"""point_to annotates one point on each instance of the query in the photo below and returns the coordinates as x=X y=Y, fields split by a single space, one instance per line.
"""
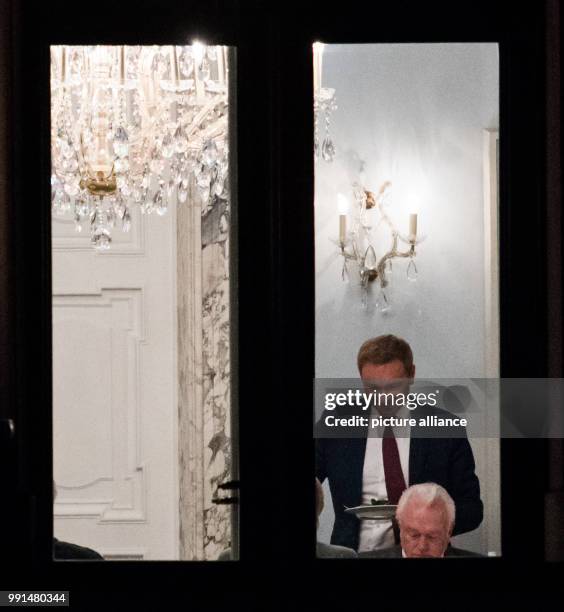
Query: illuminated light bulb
x=413 y=201
x=318 y=47
x=198 y=50
x=342 y=204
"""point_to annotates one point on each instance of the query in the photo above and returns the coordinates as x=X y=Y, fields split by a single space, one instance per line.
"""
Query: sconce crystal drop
x=383 y=303
x=412 y=271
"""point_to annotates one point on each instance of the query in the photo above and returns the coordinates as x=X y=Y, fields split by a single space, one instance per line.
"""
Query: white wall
x=414 y=114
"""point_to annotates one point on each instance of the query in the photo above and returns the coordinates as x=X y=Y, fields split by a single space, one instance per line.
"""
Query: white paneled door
x=115 y=390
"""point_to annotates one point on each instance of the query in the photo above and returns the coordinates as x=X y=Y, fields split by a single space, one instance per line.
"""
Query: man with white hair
x=425 y=515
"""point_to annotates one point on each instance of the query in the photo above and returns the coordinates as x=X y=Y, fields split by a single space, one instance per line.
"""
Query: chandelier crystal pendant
x=324 y=103
x=131 y=126
x=357 y=245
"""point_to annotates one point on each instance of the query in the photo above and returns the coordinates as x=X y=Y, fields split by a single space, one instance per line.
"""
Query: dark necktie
x=395 y=482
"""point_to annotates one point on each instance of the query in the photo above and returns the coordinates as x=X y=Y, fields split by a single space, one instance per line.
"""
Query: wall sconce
x=323 y=102
x=357 y=244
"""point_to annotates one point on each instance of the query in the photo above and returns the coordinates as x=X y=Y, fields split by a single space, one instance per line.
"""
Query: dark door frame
x=275 y=284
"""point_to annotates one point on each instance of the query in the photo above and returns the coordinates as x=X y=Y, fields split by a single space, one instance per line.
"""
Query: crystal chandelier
x=131 y=126
x=324 y=103
x=357 y=245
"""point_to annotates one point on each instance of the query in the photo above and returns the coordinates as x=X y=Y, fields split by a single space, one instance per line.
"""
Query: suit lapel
x=355 y=451
x=417 y=451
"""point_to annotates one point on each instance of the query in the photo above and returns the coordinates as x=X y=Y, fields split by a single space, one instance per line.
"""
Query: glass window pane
x=141 y=202
x=406 y=209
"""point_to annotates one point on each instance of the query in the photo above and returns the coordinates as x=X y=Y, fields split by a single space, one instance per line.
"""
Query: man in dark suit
x=364 y=468
x=328 y=550
x=395 y=552
x=425 y=514
x=67 y=550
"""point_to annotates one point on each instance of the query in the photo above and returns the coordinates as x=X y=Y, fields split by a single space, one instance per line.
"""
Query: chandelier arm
x=200 y=117
x=347 y=254
x=111 y=172
x=216 y=131
x=390 y=255
x=383 y=215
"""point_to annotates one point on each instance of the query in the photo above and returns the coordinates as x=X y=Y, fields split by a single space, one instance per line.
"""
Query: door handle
x=230 y=485
x=225 y=500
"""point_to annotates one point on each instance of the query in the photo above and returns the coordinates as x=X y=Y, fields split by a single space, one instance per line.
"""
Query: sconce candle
x=317 y=65
x=342 y=228
x=413 y=226
x=343 y=207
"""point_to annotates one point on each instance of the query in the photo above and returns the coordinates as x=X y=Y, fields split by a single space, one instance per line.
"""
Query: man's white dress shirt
x=375 y=535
